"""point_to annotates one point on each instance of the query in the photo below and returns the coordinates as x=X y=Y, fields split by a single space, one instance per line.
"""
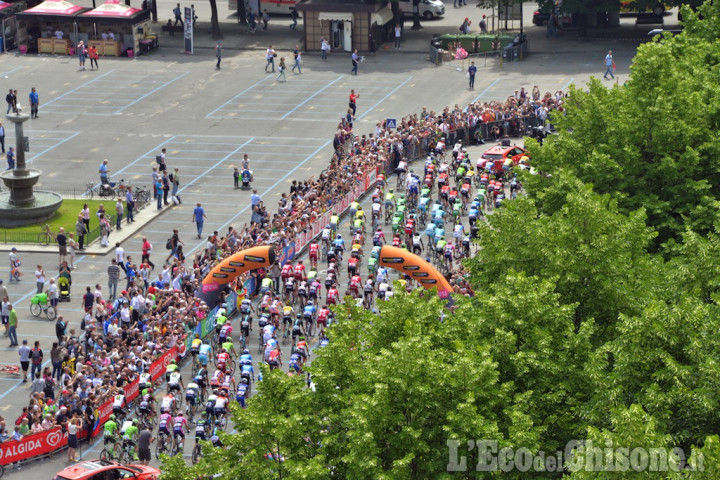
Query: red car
x=106 y=470
x=498 y=154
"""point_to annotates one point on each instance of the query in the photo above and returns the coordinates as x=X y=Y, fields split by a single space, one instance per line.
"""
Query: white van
x=429 y=9
x=272 y=6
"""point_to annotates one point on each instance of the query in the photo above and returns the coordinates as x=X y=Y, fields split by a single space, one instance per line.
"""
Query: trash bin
x=130 y=53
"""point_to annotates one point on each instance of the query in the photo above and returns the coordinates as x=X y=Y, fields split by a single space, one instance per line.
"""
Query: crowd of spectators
x=118 y=343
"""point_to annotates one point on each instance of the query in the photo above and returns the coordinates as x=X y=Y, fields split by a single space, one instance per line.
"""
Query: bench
x=172 y=28
x=648 y=19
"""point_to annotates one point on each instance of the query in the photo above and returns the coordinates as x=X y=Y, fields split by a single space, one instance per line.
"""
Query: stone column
x=20 y=180
x=18 y=119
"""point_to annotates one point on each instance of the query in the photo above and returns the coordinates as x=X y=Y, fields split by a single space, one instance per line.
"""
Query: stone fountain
x=20 y=204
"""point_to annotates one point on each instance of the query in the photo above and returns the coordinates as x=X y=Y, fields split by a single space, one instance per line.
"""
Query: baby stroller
x=64 y=289
x=246 y=178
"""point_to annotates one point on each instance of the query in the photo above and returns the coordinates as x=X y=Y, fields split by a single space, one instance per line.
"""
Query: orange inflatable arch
x=230 y=268
x=414 y=266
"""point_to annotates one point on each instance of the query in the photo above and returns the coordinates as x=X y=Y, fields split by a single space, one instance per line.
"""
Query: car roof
x=500 y=149
x=82 y=469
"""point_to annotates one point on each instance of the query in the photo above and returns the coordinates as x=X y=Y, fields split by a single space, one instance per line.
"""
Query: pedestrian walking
x=23 y=352
x=10 y=158
x=236 y=177
x=129 y=204
x=174 y=243
x=294 y=17
x=81 y=231
x=36 y=358
x=146 y=251
x=298 y=56
x=119 y=211
x=34 y=99
x=265 y=19
x=62 y=241
x=398 y=36
x=11 y=101
x=194 y=17
x=73 y=427
x=355 y=62
x=145 y=440
x=52 y=293
x=12 y=332
x=82 y=54
x=113 y=272
x=352 y=101
x=609 y=65
x=472 y=70
x=40 y=278
x=199 y=218
x=218 y=55
x=93 y=54
x=281 y=69
x=270 y=55
x=14 y=265
x=120 y=256
x=178 y=15
x=483 y=24
x=324 y=48
x=60 y=329
x=2 y=137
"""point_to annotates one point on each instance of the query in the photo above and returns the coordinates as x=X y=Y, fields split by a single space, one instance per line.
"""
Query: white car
x=429 y=9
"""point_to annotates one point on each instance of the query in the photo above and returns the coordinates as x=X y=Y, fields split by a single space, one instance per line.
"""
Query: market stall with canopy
x=115 y=28
x=8 y=36
x=49 y=27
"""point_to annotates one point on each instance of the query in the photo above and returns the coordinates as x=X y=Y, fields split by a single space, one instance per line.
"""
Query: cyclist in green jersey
x=229 y=347
x=110 y=430
x=130 y=438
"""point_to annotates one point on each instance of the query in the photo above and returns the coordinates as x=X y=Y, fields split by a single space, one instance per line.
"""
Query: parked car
x=429 y=9
x=498 y=154
x=103 y=469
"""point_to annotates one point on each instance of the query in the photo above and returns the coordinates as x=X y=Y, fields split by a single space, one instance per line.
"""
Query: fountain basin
x=42 y=208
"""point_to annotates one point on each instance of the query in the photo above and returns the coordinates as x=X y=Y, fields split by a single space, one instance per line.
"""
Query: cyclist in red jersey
x=300 y=271
x=333 y=295
x=313 y=253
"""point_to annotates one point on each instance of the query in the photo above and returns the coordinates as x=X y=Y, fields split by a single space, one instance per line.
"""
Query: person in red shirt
x=355 y=281
x=300 y=272
x=353 y=101
x=286 y=271
x=353 y=263
x=146 y=250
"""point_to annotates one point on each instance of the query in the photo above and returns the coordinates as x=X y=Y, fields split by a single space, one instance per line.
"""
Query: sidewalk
x=145 y=216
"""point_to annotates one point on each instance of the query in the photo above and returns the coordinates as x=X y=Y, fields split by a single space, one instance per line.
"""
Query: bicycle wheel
x=231 y=366
x=196 y=453
x=104 y=455
x=35 y=309
x=160 y=447
x=50 y=313
x=43 y=238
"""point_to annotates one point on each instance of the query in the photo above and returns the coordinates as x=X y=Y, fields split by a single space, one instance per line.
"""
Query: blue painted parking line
x=379 y=102
x=10 y=71
x=480 y=95
x=218 y=163
x=50 y=102
x=146 y=155
x=153 y=91
x=211 y=114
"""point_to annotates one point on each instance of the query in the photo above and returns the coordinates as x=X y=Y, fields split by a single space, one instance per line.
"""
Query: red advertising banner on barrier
x=31 y=446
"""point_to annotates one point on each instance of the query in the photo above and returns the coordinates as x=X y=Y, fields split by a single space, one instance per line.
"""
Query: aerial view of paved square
x=358 y=239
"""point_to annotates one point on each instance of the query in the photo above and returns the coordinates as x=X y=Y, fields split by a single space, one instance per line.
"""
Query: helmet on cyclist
x=243 y=380
x=246 y=352
x=298 y=316
x=224 y=305
x=181 y=413
x=222 y=350
x=392 y=190
x=217 y=422
x=197 y=335
x=228 y=322
x=300 y=261
x=172 y=361
x=112 y=416
x=339 y=235
x=203 y=414
x=309 y=302
x=135 y=421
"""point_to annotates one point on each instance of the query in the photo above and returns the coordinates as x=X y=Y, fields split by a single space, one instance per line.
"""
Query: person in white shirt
x=59 y=34
x=104 y=35
x=120 y=257
x=40 y=278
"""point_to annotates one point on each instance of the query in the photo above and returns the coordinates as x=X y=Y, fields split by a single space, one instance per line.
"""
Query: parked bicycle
x=47 y=236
